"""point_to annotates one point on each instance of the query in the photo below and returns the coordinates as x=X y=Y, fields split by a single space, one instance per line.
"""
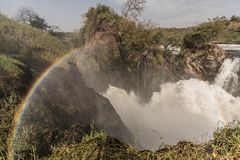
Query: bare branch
x=133 y=8
x=29 y=16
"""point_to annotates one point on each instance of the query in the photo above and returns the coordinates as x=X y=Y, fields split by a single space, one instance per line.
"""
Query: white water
x=231 y=47
x=186 y=110
x=228 y=75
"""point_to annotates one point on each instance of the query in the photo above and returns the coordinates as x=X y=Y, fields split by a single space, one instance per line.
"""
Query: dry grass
x=95 y=146
x=8 y=106
x=226 y=145
x=24 y=40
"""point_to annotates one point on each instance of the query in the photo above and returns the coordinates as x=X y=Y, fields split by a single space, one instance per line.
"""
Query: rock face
x=202 y=64
x=150 y=75
x=63 y=108
x=101 y=64
x=228 y=77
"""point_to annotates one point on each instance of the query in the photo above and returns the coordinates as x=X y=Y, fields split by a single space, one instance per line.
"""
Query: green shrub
x=235 y=18
x=93 y=21
x=234 y=26
x=11 y=73
x=10 y=66
x=194 y=40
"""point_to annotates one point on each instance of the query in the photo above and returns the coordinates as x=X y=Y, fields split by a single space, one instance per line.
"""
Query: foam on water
x=186 y=110
x=228 y=76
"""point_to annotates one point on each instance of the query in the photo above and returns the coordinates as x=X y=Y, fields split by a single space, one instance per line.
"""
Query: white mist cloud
x=187 y=110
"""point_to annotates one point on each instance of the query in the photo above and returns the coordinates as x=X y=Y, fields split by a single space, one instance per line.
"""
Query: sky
x=67 y=14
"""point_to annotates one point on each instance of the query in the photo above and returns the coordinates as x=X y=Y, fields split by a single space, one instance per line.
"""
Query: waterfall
x=142 y=81
x=228 y=77
x=138 y=78
x=142 y=73
x=187 y=110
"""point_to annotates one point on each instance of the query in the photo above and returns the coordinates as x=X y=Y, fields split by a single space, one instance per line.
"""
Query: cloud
x=181 y=13
x=166 y=13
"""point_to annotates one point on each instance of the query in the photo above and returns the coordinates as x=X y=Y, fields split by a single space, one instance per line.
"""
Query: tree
x=29 y=16
x=195 y=40
x=235 y=18
x=133 y=8
x=97 y=19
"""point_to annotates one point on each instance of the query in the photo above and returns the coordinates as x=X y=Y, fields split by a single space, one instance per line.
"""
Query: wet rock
x=64 y=109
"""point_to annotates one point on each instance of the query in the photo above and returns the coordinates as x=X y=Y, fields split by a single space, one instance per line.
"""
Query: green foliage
x=132 y=37
x=11 y=73
x=212 y=28
x=39 y=23
x=204 y=33
x=135 y=38
x=195 y=40
x=235 y=18
x=29 y=16
x=229 y=37
x=20 y=39
x=94 y=21
x=234 y=26
x=10 y=66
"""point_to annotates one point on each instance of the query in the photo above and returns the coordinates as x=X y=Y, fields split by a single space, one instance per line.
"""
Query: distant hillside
x=218 y=30
x=26 y=49
x=25 y=42
x=230 y=33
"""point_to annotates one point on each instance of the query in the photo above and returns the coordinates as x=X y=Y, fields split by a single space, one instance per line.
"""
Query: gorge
x=73 y=97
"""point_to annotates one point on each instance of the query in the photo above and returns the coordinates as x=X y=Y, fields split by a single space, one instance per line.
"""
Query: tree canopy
x=29 y=16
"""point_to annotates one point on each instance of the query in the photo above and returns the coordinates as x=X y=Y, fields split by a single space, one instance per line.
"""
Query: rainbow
x=30 y=93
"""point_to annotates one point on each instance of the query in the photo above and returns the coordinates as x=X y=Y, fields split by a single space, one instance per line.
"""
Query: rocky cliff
x=102 y=64
x=63 y=109
x=202 y=64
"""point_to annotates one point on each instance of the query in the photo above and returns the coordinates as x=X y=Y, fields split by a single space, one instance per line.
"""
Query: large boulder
x=101 y=64
x=63 y=109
